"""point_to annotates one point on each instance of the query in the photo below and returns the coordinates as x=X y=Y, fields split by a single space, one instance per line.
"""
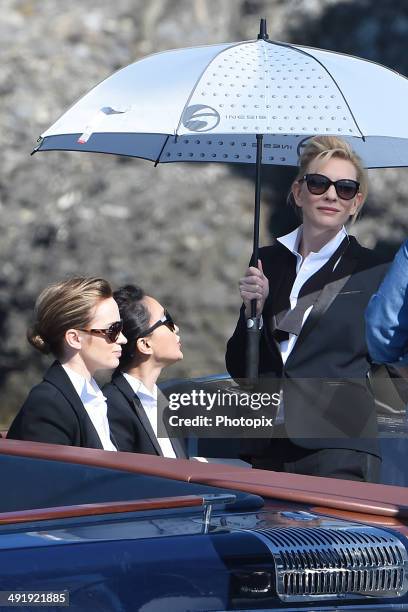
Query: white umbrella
x=249 y=102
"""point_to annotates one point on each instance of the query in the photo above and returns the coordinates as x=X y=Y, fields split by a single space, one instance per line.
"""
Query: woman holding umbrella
x=312 y=288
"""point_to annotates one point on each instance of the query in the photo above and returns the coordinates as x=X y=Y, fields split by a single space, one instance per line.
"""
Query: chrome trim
x=315 y=563
x=210 y=500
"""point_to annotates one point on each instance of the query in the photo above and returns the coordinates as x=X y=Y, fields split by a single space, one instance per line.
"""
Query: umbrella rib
x=199 y=78
x=293 y=47
x=364 y=59
x=161 y=150
x=266 y=92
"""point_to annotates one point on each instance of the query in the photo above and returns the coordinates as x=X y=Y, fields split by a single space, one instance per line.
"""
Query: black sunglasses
x=111 y=333
x=318 y=184
x=165 y=320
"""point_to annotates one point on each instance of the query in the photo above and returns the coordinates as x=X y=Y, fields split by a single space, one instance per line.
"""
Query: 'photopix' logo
x=200 y=118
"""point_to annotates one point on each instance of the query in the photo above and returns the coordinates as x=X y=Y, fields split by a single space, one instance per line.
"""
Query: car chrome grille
x=336 y=562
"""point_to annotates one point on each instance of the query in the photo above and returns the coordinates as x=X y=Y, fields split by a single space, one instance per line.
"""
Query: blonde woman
x=78 y=322
x=312 y=288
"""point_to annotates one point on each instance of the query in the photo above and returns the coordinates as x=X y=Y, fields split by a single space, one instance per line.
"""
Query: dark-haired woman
x=78 y=322
x=134 y=399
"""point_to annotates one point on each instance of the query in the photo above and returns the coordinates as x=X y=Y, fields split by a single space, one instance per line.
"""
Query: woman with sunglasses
x=78 y=322
x=134 y=399
x=312 y=288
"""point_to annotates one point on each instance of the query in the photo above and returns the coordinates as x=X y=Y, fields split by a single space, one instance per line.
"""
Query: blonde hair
x=64 y=305
x=323 y=148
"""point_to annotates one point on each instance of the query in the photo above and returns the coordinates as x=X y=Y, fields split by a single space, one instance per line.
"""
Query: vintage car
x=95 y=530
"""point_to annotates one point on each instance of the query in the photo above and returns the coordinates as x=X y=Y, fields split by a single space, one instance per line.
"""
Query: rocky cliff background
x=183 y=232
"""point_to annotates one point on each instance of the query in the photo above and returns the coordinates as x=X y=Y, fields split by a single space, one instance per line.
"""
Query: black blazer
x=53 y=412
x=128 y=420
x=326 y=399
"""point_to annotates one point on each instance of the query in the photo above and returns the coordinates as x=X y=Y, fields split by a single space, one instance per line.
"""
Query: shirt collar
x=291 y=242
x=86 y=389
x=139 y=388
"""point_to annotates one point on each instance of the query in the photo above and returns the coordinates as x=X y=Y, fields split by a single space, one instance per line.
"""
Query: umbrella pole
x=253 y=331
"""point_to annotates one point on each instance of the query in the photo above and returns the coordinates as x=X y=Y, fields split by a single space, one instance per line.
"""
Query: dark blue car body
x=61 y=532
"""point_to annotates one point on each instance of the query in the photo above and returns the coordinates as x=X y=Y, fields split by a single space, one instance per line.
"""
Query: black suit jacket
x=128 y=420
x=53 y=412
x=326 y=399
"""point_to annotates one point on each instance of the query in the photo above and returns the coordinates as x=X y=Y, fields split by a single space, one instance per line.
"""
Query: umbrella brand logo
x=275 y=145
x=245 y=117
x=200 y=118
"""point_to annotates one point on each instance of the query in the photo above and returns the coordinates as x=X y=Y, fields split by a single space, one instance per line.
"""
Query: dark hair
x=135 y=317
x=64 y=305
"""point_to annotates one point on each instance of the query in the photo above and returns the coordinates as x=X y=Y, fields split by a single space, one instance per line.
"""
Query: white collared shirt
x=149 y=404
x=305 y=268
x=95 y=405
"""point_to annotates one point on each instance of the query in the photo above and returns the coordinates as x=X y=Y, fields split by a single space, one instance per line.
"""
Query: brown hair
x=63 y=305
x=323 y=148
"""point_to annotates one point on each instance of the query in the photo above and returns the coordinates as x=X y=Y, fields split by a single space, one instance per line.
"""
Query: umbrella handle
x=253 y=331
x=252 y=351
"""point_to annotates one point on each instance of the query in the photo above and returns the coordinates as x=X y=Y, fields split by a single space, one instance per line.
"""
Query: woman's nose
x=176 y=329
x=122 y=339
x=331 y=192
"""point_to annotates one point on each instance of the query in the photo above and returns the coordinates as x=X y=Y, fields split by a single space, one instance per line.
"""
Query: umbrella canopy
x=208 y=103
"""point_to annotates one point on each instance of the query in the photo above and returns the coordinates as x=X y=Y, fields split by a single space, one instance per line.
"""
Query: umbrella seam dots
x=266 y=91
x=301 y=50
x=199 y=79
x=336 y=84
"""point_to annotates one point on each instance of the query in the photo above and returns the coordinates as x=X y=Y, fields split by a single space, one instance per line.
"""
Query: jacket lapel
x=139 y=410
x=285 y=262
x=177 y=443
x=276 y=285
x=339 y=277
x=122 y=384
x=57 y=376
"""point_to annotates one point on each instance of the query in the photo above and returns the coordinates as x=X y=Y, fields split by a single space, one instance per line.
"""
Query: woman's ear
x=357 y=204
x=73 y=338
x=295 y=191
x=144 y=346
